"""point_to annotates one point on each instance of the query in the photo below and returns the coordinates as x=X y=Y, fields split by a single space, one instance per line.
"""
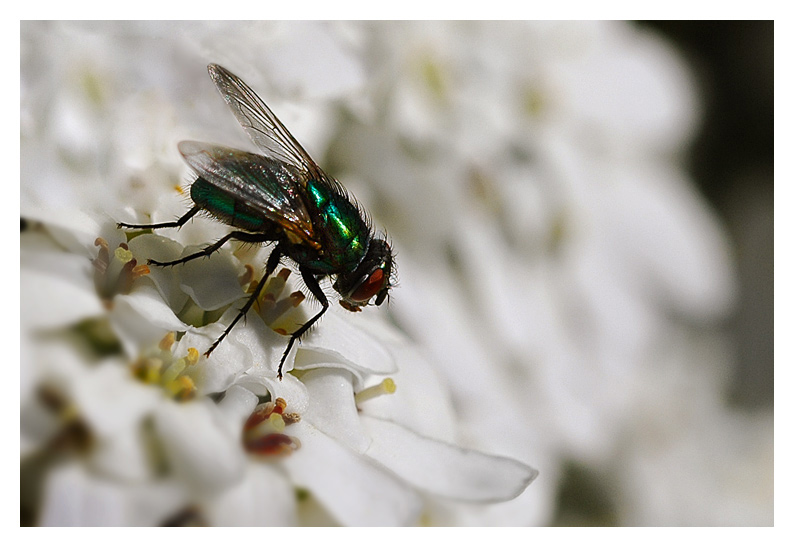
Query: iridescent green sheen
x=345 y=228
x=226 y=207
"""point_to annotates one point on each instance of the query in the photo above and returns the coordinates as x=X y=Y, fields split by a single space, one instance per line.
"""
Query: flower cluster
x=560 y=286
x=180 y=432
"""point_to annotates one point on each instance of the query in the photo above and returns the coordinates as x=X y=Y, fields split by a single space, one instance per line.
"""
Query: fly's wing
x=243 y=183
x=259 y=122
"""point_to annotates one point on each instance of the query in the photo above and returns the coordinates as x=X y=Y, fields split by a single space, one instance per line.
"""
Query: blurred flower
x=570 y=248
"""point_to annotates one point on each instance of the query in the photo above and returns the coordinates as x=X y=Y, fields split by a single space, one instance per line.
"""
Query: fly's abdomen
x=226 y=207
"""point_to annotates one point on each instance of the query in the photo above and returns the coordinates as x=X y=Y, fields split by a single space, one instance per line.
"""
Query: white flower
x=203 y=444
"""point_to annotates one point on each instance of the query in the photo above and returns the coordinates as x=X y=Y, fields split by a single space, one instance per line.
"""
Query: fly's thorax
x=338 y=224
x=311 y=258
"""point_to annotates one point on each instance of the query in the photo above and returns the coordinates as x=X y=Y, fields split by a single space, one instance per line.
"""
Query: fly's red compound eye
x=370 y=287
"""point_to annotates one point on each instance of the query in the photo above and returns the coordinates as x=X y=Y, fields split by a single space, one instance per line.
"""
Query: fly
x=282 y=196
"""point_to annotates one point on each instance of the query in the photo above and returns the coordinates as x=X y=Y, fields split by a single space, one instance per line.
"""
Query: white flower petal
x=141 y=318
x=217 y=372
x=313 y=62
x=54 y=360
x=535 y=506
x=444 y=469
x=211 y=282
x=332 y=407
x=111 y=400
x=420 y=403
x=352 y=488
x=42 y=255
x=288 y=388
x=200 y=449
x=152 y=246
x=37 y=423
x=73 y=229
x=247 y=347
x=52 y=301
x=642 y=93
x=124 y=456
x=345 y=344
x=74 y=496
x=237 y=404
x=265 y=345
x=264 y=498
x=675 y=243
x=147 y=301
x=375 y=322
x=439 y=319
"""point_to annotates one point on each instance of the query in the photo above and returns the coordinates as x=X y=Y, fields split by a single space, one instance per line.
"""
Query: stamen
x=140 y=270
x=125 y=278
x=73 y=432
x=102 y=259
x=275 y=309
x=182 y=389
x=276 y=421
x=263 y=431
x=276 y=284
x=147 y=370
x=115 y=275
x=173 y=370
x=160 y=368
x=280 y=314
x=275 y=444
x=167 y=341
x=123 y=253
x=247 y=277
x=386 y=387
x=296 y=298
x=192 y=356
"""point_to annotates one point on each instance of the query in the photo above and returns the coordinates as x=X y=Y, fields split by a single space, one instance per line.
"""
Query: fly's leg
x=311 y=283
x=240 y=236
x=272 y=263
x=175 y=224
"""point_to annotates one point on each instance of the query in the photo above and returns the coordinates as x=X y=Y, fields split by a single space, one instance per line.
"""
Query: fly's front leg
x=175 y=224
x=272 y=263
x=314 y=287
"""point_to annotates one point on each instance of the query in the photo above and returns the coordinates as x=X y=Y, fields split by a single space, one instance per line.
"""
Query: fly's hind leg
x=240 y=236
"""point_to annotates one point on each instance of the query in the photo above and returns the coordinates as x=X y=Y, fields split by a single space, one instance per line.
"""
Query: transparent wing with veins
x=259 y=122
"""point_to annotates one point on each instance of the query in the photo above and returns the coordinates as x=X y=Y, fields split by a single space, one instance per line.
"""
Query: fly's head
x=371 y=279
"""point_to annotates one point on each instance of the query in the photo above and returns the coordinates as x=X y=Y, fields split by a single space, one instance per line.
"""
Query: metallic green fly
x=282 y=197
